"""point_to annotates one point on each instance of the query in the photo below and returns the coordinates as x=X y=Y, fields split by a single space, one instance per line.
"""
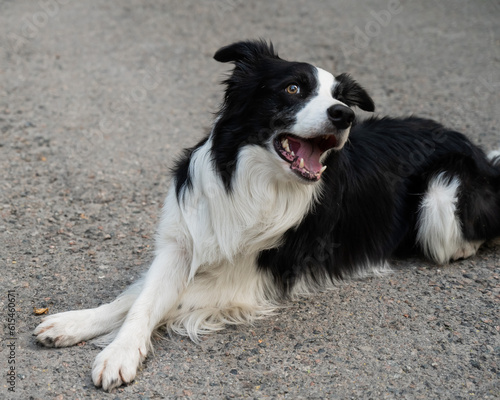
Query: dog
x=287 y=194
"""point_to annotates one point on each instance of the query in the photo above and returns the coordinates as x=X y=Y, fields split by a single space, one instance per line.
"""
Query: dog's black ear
x=352 y=93
x=248 y=51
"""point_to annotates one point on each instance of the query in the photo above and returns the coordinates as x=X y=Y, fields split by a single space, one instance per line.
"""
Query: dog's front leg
x=166 y=279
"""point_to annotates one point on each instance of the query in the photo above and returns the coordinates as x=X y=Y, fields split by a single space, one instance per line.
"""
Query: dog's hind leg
x=460 y=210
x=71 y=327
x=438 y=232
x=440 y=229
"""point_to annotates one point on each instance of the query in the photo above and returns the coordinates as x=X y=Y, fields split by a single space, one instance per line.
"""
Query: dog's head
x=296 y=110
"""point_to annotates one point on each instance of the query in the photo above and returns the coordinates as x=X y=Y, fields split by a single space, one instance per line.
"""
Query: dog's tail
x=494 y=158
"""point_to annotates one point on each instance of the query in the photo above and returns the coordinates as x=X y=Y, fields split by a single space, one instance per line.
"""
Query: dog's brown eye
x=293 y=89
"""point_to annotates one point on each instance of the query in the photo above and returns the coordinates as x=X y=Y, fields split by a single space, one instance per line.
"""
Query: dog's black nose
x=341 y=116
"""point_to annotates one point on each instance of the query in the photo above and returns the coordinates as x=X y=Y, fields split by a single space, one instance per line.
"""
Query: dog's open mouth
x=304 y=154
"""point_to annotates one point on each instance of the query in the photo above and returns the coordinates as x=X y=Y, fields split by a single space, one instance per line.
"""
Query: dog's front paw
x=117 y=365
x=63 y=329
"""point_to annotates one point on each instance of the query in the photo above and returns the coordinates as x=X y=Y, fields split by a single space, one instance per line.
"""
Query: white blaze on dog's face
x=321 y=124
x=313 y=118
x=297 y=111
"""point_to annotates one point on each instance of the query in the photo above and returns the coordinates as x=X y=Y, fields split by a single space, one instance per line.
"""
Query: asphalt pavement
x=97 y=99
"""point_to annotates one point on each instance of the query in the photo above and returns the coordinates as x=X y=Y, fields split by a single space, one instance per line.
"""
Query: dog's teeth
x=285 y=145
x=322 y=169
x=293 y=154
x=301 y=163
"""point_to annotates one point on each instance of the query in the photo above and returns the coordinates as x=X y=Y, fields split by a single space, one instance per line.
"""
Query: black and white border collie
x=286 y=194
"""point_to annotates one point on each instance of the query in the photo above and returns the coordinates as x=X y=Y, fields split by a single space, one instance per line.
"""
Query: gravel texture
x=96 y=100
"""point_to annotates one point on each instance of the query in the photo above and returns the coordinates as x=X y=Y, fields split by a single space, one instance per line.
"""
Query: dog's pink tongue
x=306 y=150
